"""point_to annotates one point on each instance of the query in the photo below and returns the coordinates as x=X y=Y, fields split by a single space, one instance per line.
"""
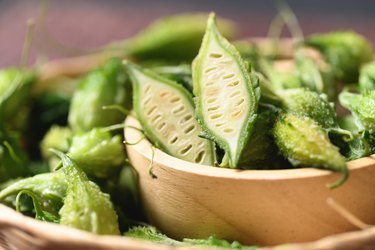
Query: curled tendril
x=134 y=143
x=151 y=164
x=139 y=130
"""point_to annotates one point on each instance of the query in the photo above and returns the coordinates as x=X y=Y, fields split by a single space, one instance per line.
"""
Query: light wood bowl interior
x=265 y=207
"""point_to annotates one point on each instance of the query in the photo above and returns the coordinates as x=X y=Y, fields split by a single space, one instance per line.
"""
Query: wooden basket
x=18 y=232
x=21 y=232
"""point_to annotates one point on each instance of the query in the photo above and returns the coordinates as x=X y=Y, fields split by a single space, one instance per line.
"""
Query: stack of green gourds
x=198 y=97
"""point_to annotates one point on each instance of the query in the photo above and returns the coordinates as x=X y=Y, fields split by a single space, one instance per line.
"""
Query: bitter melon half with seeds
x=166 y=112
x=226 y=94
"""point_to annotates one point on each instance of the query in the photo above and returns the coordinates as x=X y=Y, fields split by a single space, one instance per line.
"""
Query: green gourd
x=58 y=138
x=310 y=104
x=344 y=51
x=97 y=152
x=306 y=144
x=15 y=96
x=104 y=86
x=226 y=94
x=86 y=207
x=174 y=38
x=166 y=112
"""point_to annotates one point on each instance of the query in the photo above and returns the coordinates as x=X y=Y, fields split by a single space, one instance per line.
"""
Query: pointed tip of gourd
x=211 y=19
x=345 y=176
x=65 y=159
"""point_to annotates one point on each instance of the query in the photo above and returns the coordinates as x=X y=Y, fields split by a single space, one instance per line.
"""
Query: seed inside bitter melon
x=226 y=96
x=166 y=112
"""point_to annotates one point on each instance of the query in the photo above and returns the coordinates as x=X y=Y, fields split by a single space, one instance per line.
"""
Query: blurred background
x=74 y=27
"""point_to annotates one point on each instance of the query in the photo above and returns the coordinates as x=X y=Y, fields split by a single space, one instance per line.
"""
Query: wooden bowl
x=265 y=207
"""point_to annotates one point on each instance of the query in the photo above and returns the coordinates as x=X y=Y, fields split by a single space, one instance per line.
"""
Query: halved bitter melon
x=166 y=112
x=226 y=94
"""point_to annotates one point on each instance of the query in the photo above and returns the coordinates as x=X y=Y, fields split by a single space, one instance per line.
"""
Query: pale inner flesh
x=170 y=115
x=225 y=99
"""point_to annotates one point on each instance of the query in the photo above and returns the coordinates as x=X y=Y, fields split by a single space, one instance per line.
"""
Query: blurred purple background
x=76 y=26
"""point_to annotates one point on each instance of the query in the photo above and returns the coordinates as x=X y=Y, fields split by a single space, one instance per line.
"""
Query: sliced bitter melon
x=226 y=94
x=166 y=112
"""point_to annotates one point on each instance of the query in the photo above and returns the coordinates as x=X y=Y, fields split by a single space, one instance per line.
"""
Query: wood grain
x=266 y=207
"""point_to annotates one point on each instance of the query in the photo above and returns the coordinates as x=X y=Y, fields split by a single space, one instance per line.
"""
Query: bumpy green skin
x=85 y=206
x=362 y=107
x=310 y=104
x=175 y=38
x=49 y=190
x=164 y=107
x=57 y=138
x=305 y=144
x=98 y=153
x=15 y=93
x=344 y=51
x=104 y=86
x=13 y=159
x=250 y=80
x=367 y=77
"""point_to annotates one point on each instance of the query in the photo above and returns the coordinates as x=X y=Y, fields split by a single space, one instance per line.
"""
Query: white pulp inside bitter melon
x=170 y=117
x=225 y=95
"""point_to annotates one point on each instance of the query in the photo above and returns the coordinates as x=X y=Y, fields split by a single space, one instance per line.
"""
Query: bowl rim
x=144 y=148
